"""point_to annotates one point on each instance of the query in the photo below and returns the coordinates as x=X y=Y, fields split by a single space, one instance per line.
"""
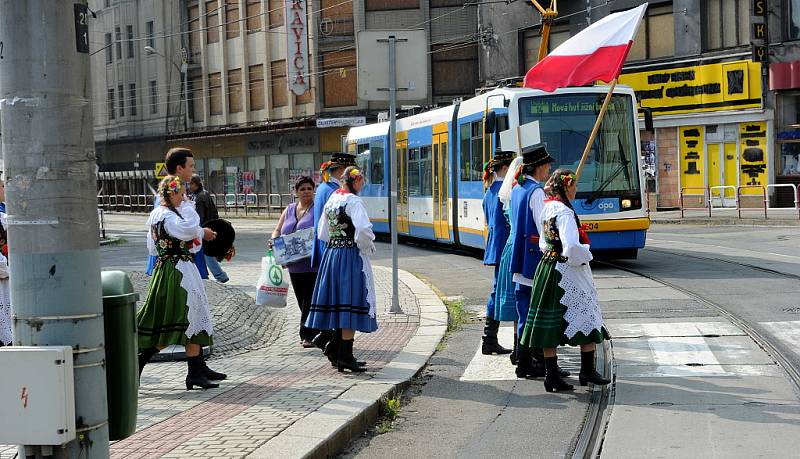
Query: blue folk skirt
x=199 y=261
x=505 y=303
x=340 y=293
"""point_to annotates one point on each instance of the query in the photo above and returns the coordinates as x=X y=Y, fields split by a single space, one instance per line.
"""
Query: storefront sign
x=702 y=88
x=297 y=46
x=759 y=7
x=341 y=122
x=692 y=155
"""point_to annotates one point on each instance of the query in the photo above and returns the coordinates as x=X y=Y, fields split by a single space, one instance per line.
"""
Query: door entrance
x=402 y=181
x=723 y=172
x=441 y=228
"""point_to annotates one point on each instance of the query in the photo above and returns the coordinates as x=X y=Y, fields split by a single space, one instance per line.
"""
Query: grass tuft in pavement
x=390 y=408
x=456 y=314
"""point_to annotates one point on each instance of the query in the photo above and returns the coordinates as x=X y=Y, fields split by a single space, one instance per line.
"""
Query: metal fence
x=245 y=204
x=729 y=197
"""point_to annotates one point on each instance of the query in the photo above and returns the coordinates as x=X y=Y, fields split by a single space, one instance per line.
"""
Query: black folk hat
x=343 y=159
x=536 y=155
x=503 y=155
x=219 y=247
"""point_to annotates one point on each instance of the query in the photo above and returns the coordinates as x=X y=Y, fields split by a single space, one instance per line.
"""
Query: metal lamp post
x=183 y=70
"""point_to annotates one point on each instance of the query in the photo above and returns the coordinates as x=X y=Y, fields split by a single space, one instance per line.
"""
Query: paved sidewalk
x=728 y=217
x=280 y=389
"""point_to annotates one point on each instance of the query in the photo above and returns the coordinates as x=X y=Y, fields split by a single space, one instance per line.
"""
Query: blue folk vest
x=324 y=191
x=525 y=253
x=498 y=226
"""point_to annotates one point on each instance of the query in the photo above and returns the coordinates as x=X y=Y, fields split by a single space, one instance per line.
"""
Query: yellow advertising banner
x=692 y=159
x=753 y=159
x=701 y=88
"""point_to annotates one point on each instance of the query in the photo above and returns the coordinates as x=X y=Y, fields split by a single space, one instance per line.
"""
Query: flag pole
x=595 y=129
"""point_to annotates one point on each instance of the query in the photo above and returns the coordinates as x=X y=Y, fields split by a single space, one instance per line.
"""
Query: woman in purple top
x=297 y=216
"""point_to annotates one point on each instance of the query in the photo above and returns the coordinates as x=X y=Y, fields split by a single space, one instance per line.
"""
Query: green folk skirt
x=546 y=325
x=163 y=319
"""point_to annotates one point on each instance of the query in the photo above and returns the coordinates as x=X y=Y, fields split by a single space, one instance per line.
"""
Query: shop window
x=276 y=8
x=233 y=171
x=235 y=91
x=656 y=35
x=788 y=136
x=470 y=143
x=216 y=177
x=256 y=174
x=727 y=23
x=232 y=17
x=255 y=83
x=279 y=170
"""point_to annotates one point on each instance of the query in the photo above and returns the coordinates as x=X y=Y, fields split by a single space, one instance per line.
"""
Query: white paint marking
x=787 y=332
x=492 y=367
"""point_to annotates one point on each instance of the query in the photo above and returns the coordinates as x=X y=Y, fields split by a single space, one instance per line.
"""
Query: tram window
x=376 y=159
x=471 y=144
x=426 y=179
x=363 y=158
x=413 y=172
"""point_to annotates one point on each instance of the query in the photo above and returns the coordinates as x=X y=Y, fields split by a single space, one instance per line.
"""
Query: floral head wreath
x=355 y=173
x=170 y=185
x=567 y=179
x=323 y=170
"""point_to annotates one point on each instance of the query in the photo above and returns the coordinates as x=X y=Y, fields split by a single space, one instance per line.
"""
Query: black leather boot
x=331 y=349
x=144 y=356
x=346 y=359
x=524 y=368
x=552 y=380
x=538 y=357
x=513 y=355
x=211 y=374
x=588 y=374
x=490 y=344
x=322 y=338
x=195 y=376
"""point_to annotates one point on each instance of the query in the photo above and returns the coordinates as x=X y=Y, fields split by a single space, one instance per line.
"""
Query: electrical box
x=37 y=395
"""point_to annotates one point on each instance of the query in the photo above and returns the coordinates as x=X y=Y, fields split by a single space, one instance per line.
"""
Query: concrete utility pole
x=46 y=118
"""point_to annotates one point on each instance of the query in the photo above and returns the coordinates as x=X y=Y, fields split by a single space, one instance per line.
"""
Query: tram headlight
x=626 y=204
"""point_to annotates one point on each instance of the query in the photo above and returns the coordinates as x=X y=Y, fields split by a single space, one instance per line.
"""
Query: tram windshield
x=565 y=123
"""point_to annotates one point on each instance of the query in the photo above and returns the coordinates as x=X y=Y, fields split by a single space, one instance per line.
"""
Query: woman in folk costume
x=493 y=174
x=505 y=302
x=5 y=288
x=564 y=307
x=175 y=311
x=344 y=295
x=331 y=172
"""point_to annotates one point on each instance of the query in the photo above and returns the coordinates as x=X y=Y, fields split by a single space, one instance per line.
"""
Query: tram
x=440 y=156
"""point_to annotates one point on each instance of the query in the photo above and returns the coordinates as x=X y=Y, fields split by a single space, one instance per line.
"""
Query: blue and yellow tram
x=440 y=155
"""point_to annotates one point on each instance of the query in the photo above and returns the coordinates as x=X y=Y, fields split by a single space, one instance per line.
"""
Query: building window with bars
x=109 y=49
x=150 y=32
x=121 y=92
x=153 y=97
x=111 y=113
x=118 y=36
x=132 y=100
x=129 y=32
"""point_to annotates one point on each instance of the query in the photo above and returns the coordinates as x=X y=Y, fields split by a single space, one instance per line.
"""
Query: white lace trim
x=580 y=298
x=5 y=312
x=366 y=268
x=196 y=300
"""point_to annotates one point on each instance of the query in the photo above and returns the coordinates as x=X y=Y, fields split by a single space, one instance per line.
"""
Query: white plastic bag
x=273 y=285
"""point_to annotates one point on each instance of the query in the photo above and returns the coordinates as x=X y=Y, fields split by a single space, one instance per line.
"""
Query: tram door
x=402 y=181
x=441 y=228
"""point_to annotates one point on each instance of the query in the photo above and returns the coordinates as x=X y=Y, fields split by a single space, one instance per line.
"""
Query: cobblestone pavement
x=267 y=390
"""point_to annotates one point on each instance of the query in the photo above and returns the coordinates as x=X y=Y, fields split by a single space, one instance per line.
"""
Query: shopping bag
x=272 y=285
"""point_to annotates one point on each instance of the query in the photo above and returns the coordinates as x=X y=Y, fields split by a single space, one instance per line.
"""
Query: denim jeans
x=216 y=269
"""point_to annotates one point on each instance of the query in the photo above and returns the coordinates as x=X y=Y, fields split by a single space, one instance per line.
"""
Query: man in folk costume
x=493 y=174
x=331 y=172
x=527 y=202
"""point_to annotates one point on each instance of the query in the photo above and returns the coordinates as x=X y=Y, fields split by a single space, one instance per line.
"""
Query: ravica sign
x=297 y=46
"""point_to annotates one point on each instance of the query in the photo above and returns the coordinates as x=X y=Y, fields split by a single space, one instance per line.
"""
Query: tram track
x=590 y=438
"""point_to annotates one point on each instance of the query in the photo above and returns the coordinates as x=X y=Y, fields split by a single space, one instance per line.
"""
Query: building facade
x=270 y=85
x=720 y=77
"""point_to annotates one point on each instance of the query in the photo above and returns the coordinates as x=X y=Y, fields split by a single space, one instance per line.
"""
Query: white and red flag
x=595 y=53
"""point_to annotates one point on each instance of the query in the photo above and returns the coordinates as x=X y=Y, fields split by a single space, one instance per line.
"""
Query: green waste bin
x=122 y=367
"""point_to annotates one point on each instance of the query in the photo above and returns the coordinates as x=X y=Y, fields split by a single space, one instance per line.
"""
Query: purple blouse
x=290 y=225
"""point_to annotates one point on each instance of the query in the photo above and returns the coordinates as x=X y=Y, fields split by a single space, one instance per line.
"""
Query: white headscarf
x=508 y=182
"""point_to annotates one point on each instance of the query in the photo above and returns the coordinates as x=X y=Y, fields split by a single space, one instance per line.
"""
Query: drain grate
x=693 y=364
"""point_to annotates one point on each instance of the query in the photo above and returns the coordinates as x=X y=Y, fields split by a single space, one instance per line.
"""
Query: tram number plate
x=591 y=226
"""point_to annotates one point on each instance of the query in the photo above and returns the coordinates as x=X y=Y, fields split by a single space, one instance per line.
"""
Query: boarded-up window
x=382 y=5
x=656 y=36
x=232 y=23
x=235 y=91
x=254 y=16
x=197 y=98
x=454 y=70
x=280 y=87
x=212 y=21
x=255 y=82
x=276 y=8
x=340 y=79
x=215 y=93
x=194 y=26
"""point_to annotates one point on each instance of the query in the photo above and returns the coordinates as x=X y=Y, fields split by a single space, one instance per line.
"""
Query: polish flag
x=595 y=53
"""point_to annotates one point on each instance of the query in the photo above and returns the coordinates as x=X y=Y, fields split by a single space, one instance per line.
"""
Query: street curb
x=330 y=428
x=109 y=240
x=727 y=221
